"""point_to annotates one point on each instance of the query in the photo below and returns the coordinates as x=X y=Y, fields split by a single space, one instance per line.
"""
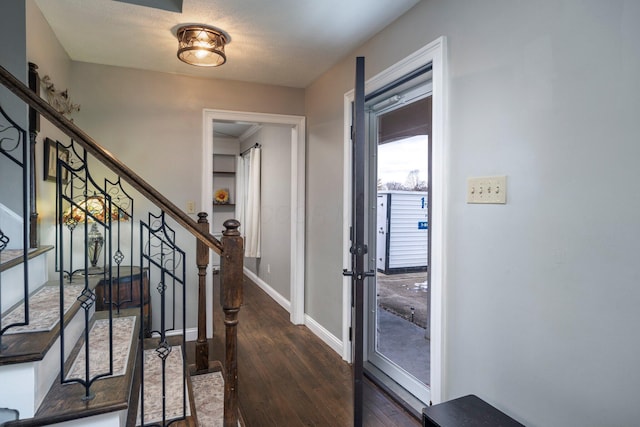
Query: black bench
x=467 y=411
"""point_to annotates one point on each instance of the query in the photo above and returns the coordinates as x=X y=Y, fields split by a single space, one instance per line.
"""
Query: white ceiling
x=281 y=42
x=231 y=129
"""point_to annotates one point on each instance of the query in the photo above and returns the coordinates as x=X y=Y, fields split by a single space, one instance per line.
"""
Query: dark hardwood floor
x=289 y=377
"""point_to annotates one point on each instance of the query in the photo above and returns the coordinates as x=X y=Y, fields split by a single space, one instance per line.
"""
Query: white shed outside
x=402 y=231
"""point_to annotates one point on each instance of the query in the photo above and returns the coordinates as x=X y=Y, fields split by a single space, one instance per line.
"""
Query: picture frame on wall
x=52 y=147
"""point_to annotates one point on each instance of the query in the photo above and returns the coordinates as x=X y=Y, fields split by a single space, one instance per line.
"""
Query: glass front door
x=397 y=306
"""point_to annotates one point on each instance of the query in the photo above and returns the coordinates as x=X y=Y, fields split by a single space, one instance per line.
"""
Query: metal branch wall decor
x=58 y=99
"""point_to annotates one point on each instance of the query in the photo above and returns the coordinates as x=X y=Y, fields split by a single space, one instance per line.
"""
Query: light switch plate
x=191 y=207
x=488 y=189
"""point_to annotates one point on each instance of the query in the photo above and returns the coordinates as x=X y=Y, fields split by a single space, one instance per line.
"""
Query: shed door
x=382 y=227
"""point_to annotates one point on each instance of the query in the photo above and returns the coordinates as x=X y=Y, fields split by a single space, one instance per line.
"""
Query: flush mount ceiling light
x=201 y=45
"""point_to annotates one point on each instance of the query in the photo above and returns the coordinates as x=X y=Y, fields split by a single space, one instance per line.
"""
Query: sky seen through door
x=401 y=157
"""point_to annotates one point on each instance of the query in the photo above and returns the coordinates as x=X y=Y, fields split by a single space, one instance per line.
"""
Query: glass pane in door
x=402 y=300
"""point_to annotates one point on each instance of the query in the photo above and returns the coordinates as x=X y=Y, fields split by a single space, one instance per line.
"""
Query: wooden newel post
x=202 y=260
x=231 y=277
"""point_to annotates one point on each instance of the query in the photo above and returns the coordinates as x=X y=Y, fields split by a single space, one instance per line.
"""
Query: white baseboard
x=285 y=303
x=190 y=334
x=327 y=337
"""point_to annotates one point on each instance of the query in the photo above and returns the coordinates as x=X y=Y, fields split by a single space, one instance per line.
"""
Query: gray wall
x=542 y=293
x=13 y=59
x=153 y=123
x=13 y=56
x=150 y=121
x=274 y=264
x=45 y=51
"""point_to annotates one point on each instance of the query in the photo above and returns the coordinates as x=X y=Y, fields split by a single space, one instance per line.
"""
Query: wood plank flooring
x=289 y=377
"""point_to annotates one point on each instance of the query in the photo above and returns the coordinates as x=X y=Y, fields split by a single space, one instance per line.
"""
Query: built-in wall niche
x=224 y=181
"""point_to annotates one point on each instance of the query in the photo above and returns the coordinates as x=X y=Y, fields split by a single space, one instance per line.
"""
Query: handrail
x=108 y=159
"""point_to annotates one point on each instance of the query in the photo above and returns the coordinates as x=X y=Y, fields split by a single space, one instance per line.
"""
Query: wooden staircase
x=31 y=361
x=115 y=399
x=55 y=375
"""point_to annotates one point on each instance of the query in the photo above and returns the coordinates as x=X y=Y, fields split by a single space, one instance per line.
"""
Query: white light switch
x=191 y=207
x=488 y=189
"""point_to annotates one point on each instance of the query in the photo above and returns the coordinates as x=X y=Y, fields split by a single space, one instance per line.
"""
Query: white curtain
x=241 y=191
x=251 y=208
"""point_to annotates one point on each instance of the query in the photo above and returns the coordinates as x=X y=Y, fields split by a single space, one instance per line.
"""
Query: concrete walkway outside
x=405 y=344
x=402 y=317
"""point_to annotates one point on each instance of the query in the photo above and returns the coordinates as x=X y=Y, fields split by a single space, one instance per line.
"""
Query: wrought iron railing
x=95 y=235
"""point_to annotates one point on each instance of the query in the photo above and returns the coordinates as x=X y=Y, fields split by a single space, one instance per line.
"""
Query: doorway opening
x=294 y=155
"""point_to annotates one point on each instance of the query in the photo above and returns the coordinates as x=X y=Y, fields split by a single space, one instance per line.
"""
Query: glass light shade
x=95 y=242
x=201 y=46
x=91 y=210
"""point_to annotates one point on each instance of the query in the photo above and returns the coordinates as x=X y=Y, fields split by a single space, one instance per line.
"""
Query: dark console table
x=125 y=292
x=467 y=411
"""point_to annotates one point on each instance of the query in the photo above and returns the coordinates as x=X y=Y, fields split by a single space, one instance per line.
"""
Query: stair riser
x=31 y=381
x=112 y=419
x=13 y=279
x=12 y=227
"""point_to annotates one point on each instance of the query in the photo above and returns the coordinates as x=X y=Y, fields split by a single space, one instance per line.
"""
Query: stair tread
x=44 y=310
x=11 y=258
x=208 y=390
x=64 y=402
x=33 y=346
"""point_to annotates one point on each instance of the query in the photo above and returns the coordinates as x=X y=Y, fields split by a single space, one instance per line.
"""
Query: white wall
x=274 y=265
x=542 y=293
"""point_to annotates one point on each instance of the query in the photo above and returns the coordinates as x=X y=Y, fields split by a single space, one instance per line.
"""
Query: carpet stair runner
x=208 y=390
x=178 y=398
